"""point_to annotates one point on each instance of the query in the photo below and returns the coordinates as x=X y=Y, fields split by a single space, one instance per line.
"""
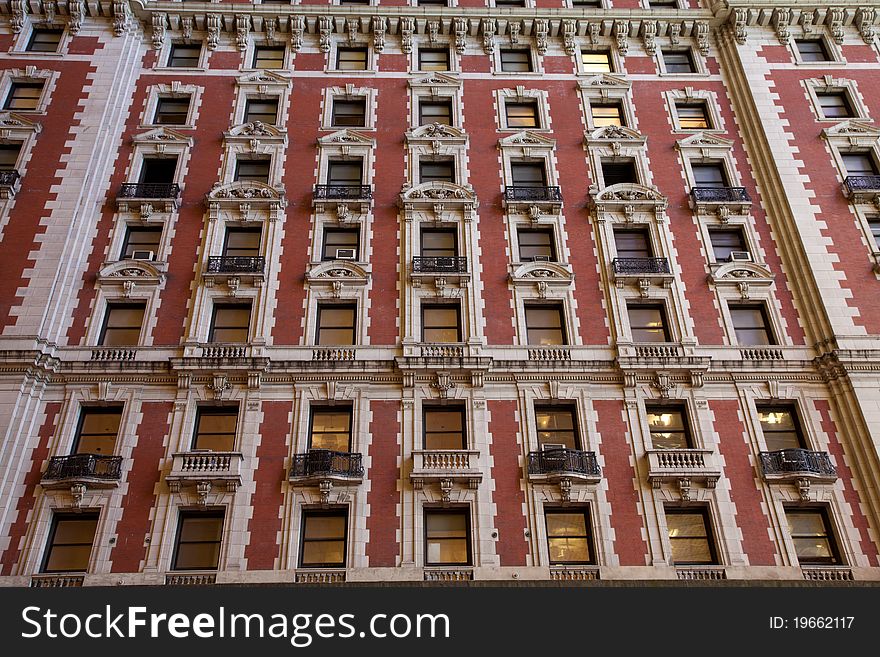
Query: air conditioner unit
x=541 y=258
x=740 y=256
x=142 y=255
x=346 y=254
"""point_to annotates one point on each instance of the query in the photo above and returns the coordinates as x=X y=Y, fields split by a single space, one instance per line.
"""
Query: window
x=544 y=325
x=536 y=244
x=97 y=430
x=171 y=111
x=689 y=537
x=693 y=116
x=615 y=172
x=780 y=427
x=243 y=242
x=340 y=243
x=596 y=61
x=255 y=170
x=122 y=324
x=437 y=171
x=750 y=325
x=648 y=323
x=70 y=543
x=23 y=96
x=859 y=164
x=632 y=244
x=199 y=534
x=528 y=174
x=441 y=323
x=433 y=3
x=510 y=3
x=336 y=324
x=725 y=242
x=587 y=3
x=709 y=175
x=605 y=114
x=522 y=114
x=262 y=110
x=812 y=50
x=353 y=2
x=557 y=427
x=141 y=238
x=351 y=59
x=330 y=428
x=669 y=427
x=835 y=105
x=268 y=57
x=438 y=243
x=44 y=40
x=9 y=156
x=812 y=536
x=874 y=225
x=349 y=113
x=184 y=55
x=434 y=59
x=323 y=539
x=435 y=111
x=215 y=428
x=568 y=536
x=158 y=170
x=345 y=173
x=657 y=4
x=444 y=428
x=517 y=60
x=678 y=61
x=447 y=537
x=230 y=323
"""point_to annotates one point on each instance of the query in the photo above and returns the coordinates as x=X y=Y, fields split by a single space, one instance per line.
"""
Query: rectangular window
x=710 y=175
x=557 y=427
x=435 y=111
x=648 y=323
x=23 y=96
x=262 y=110
x=439 y=243
x=351 y=59
x=780 y=427
x=44 y=40
x=536 y=244
x=447 y=537
x=244 y=242
x=693 y=116
x=158 y=170
x=9 y=156
x=615 y=172
x=230 y=323
x=544 y=325
x=569 y=539
x=441 y=323
x=349 y=113
x=345 y=173
x=596 y=61
x=510 y=3
x=122 y=324
x=659 y=4
x=725 y=242
x=70 y=543
x=437 y=171
x=97 y=430
x=750 y=324
x=669 y=427
x=142 y=239
x=255 y=170
x=433 y=3
x=336 y=324
x=522 y=114
x=340 y=244
x=632 y=244
x=678 y=61
x=331 y=428
x=171 y=111
x=859 y=164
x=323 y=539
x=516 y=60
x=690 y=537
x=812 y=536
x=215 y=428
x=434 y=59
x=874 y=225
x=528 y=174
x=199 y=535
x=605 y=114
x=184 y=55
x=835 y=105
x=269 y=57
x=444 y=428
x=812 y=50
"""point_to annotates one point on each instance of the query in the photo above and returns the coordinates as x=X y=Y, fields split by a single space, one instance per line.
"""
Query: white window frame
x=263 y=85
x=829 y=84
x=174 y=90
x=349 y=92
x=442 y=44
x=21 y=42
x=522 y=95
x=165 y=53
x=709 y=99
x=28 y=75
x=835 y=52
x=526 y=45
x=698 y=60
x=436 y=86
x=333 y=55
x=250 y=53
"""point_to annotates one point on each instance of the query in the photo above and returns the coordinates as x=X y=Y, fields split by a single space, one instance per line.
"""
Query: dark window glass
x=632 y=244
x=255 y=170
x=569 y=539
x=433 y=3
x=444 y=428
x=441 y=323
x=331 y=428
x=351 y=59
x=586 y=3
x=141 y=238
x=23 y=96
x=447 y=538
x=44 y=40
x=536 y=244
x=690 y=537
x=812 y=536
x=171 y=111
x=709 y=175
x=669 y=427
x=835 y=105
x=230 y=323
x=268 y=57
x=557 y=426
x=439 y=243
x=122 y=324
x=648 y=323
x=510 y=3
x=199 y=534
x=596 y=61
x=515 y=60
x=437 y=171
x=184 y=55
x=751 y=325
x=678 y=61
x=522 y=114
x=874 y=224
x=341 y=243
x=434 y=59
x=336 y=324
x=345 y=173
x=660 y=4
x=615 y=172
x=262 y=110
x=528 y=174
x=544 y=325
x=812 y=50
x=859 y=164
x=780 y=427
x=9 y=156
x=97 y=430
x=605 y=114
x=693 y=116
x=435 y=111
x=349 y=113
x=243 y=242
x=70 y=543
x=726 y=241
x=215 y=428
x=323 y=539
x=158 y=170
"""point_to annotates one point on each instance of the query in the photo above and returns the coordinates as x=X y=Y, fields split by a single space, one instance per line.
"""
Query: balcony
x=533 y=201
x=721 y=200
x=9 y=183
x=682 y=466
x=642 y=272
x=147 y=198
x=798 y=466
x=446 y=466
x=345 y=199
x=564 y=466
x=205 y=470
x=443 y=270
x=90 y=470
x=324 y=468
x=233 y=270
x=862 y=189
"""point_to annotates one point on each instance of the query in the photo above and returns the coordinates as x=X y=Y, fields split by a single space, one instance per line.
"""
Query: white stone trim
x=520 y=95
x=829 y=84
x=349 y=92
x=709 y=99
x=174 y=90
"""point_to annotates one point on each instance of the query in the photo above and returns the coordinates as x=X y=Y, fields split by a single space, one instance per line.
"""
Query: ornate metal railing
x=149 y=190
x=440 y=264
x=343 y=192
x=533 y=194
x=862 y=183
x=549 y=461
x=8 y=177
x=94 y=466
x=317 y=462
x=236 y=264
x=720 y=195
x=788 y=461
x=640 y=265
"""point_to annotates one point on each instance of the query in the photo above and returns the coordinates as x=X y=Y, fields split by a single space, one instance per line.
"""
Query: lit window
x=230 y=323
x=199 y=534
x=516 y=60
x=98 y=430
x=23 y=96
x=569 y=539
x=122 y=324
x=693 y=116
x=184 y=55
x=596 y=61
x=444 y=428
x=557 y=427
x=544 y=325
x=331 y=428
x=323 y=539
x=447 y=538
x=536 y=244
x=605 y=114
x=690 y=537
x=648 y=323
x=264 y=111
x=215 y=428
x=522 y=114
x=44 y=40
x=751 y=325
x=351 y=59
x=435 y=111
x=70 y=543
x=678 y=61
x=171 y=111
x=336 y=324
x=780 y=427
x=269 y=57
x=669 y=428
x=441 y=323
x=434 y=59
x=142 y=239
x=812 y=536
x=812 y=50
x=349 y=113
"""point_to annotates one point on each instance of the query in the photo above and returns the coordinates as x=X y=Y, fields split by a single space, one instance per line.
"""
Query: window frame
x=434 y=49
x=113 y=305
x=613 y=63
x=696 y=62
x=589 y=537
x=85 y=410
x=533 y=103
x=533 y=63
x=687 y=429
x=449 y=408
x=541 y=229
x=337 y=100
x=767 y=327
x=331 y=305
x=836 y=558
x=203 y=410
x=465 y=512
x=431 y=306
x=50 y=29
x=793 y=411
x=255 y=57
x=317 y=409
x=246 y=116
x=161 y=98
x=563 y=327
x=58 y=516
x=572 y=410
x=709 y=527
x=179 y=44
x=218 y=306
x=313 y=512
x=336 y=229
x=342 y=48
x=185 y=514
x=658 y=304
x=25 y=84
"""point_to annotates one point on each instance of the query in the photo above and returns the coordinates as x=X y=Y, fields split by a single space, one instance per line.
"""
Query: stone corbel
x=702 y=30
x=460 y=26
x=407 y=27
x=593 y=33
x=213 y=23
x=443 y=384
x=445 y=491
x=488 y=27
x=565 y=489
x=325 y=27
x=76 y=12
x=649 y=34
x=433 y=29
x=158 y=36
x=203 y=488
x=120 y=17
x=17 y=19
x=569 y=29
x=740 y=21
x=186 y=26
x=803 y=487
x=270 y=25
x=541 y=29
x=834 y=18
x=514 y=27
x=674 y=33
x=780 y=20
x=242 y=29
x=218 y=386
x=865 y=19
x=297 y=29
x=77 y=493
x=663 y=384
x=379 y=26
x=621 y=36
x=684 y=489
x=325 y=487
x=352 y=25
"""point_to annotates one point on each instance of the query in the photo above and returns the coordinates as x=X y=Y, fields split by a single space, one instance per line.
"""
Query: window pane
x=859 y=164
x=678 y=61
x=215 y=429
x=336 y=325
x=709 y=175
x=535 y=243
x=24 y=96
x=516 y=60
x=522 y=115
x=544 y=325
x=726 y=241
x=446 y=538
x=780 y=428
x=615 y=173
x=527 y=174
x=43 y=40
x=345 y=173
x=689 y=538
x=98 y=430
x=264 y=111
x=71 y=543
x=444 y=429
x=668 y=428
x=750 y=325
x=433 y=59
x=648 y=324
x=632 y=244
x=812 y=537
x=256 y=170
x=435 y=112
x=186 y=56
x=556 y=427
x=568 y=538
x=441 y=324
x=835 y=105
x=692 y=116
x=9 y=155
x=439 y=243
x=605 y=114
x=335 y=240
x=875 y=232
x=442 y=171
x=349 y=113
x=351 y=59
x=596 y=62
x=231 y=324
x=172 y=111
x=122 y=325
x=812 y=50
x=269 y=57
x=331 y=429
x=198 y=541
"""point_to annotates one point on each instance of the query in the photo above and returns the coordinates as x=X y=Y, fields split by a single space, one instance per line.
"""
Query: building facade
x=439 y=291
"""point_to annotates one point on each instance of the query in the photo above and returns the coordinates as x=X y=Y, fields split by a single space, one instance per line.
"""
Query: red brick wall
x=507 y=474
x=383 y=521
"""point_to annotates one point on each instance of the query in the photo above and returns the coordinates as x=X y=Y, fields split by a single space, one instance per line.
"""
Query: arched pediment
x=628 y=192
x=256 y=130
x=338 y=274
x=144 y=269
x=439 y=191
x=250 y=190
x=548 y=271
x=737 y=271
x=251 y=199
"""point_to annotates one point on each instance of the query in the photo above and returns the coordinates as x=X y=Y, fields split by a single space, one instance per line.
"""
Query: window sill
x=37 y=55
x=333 y=71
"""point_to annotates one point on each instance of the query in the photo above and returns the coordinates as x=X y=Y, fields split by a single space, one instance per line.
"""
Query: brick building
x=367 y=291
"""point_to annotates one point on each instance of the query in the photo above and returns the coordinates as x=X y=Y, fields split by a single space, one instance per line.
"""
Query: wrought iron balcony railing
x=440 y=265
x=533 y=194
x=324 y=462
x=862 y=183
x=149 y=190
x=8 y=177
x=720 y=195
x=797 y=462
x=640 y=265
x=555 y=461
x=343 y=192
x=92 y=466
x=236 y=264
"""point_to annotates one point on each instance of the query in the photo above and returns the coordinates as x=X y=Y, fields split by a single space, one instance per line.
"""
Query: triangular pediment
x=434 y=131
x=704 y=140
x=435 y=79
x=604 y=80
x=162 y=135
x=263 y=77
x=615 y=133
x=346 y=137
x=10 y=120
x=851 y=128
x=526 y=138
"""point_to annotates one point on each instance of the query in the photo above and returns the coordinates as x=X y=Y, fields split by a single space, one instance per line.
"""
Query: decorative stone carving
x=865 y=19
x=158 y=36
x=781 y=18
x=270 y=25
x=18 y=12
x=186 y=26
x=488 y=27
x=740 y=20
x=407 y=26
x=325 y=27
x=569 y=29
x=213 y=25
x=541 y=30
x=120 y=17
x=443 y=384
x=621 y=36
x=379 y=26
x=834 y=18
x=649 y=34
x=76 y=11
x=460 y=26
x=702 y=30
x=297 y=29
